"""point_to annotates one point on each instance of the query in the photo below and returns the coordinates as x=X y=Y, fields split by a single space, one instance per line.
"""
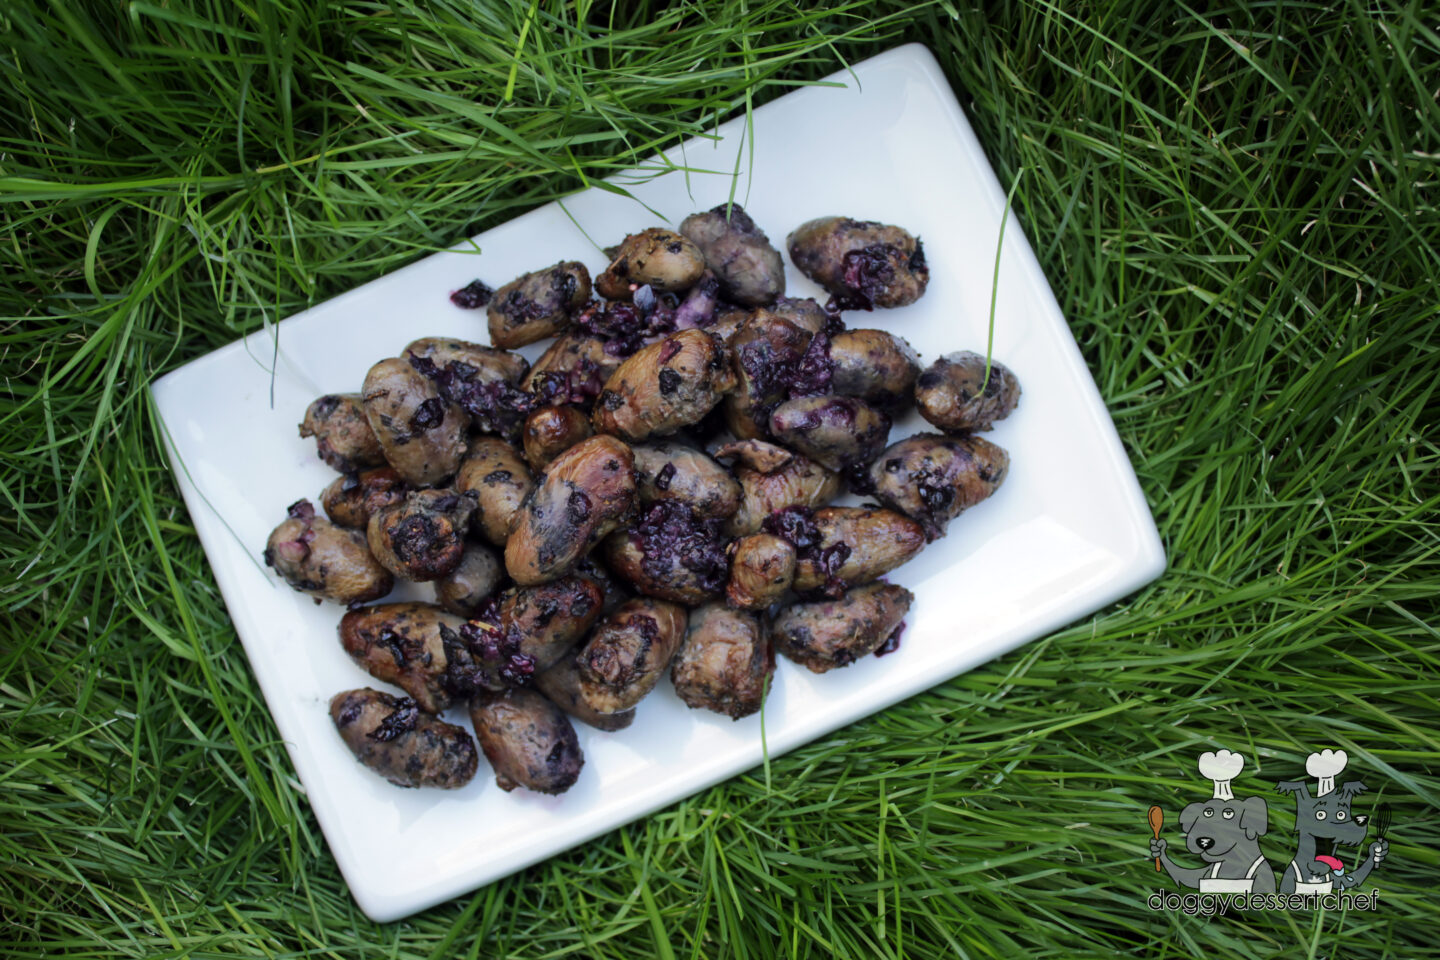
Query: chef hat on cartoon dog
x=1325 y=766
x=1222 y=766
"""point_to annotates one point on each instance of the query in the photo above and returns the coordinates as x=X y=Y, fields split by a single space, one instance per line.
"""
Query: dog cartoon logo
x=1324 y=822
x=1223 y=831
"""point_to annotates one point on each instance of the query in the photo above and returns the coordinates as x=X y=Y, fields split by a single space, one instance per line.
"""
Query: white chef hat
x=1325 y=766
x=1222 y=766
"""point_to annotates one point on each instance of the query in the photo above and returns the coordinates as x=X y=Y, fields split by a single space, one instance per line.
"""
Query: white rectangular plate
x=1068 y=532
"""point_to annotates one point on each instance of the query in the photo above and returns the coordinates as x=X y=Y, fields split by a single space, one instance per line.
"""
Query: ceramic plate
x=1068 y=533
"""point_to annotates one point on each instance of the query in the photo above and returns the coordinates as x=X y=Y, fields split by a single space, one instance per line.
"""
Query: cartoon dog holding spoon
x=1224 y=832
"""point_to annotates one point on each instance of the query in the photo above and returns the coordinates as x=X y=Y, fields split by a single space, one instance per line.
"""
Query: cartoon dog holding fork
x=1324 y=822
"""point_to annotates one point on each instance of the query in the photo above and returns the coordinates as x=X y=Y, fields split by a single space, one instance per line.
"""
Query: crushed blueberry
x=497 y=645
x=624 y=327
x=399 y=722
x=496 y=406
x=669 y=381
x=428 y=416
x=472 y=296
x=579 y=385
x=396 y=645
x=814 y=370
x=671 y=533
x=797 y=525
x=518 y=307
x=302 y=510
x=663 y=478
x=867 y=272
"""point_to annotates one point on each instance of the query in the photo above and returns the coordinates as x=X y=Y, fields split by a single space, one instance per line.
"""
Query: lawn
x=1236 y=208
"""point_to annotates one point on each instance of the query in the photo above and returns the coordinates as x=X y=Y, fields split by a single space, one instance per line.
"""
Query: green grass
x=1236 y=207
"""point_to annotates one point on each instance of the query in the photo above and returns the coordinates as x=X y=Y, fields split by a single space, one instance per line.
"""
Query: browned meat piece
x=407 y=747
x=762 y=567
x=538 y=304
x=612 y=588
x=494 y=471
x=463 y=589
x=835 y=633
x=317 y=557
x=411 y=645
x=489 y=363
x=804 y=313
x=863 y=264
x=561 y=684
x=772 y=478
x=423 y=537
x=749 y=269
x=628 y=652
x=350 y=500
x=343 y=438
x=584 y=495
x=423 y=436
x=667 y=470
x=766 y=351
x=670 y=553
x=573 y=369
x=837 y=548
x=725 y=661
x=934 y=479
x=727 y=322
x=948 y=392
x=527 y=740
x=875 y=366
x=835 y=432
x=664 y=387
x=758 y=455
x=658 y=258
x=550 y=431
x=545 y=620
